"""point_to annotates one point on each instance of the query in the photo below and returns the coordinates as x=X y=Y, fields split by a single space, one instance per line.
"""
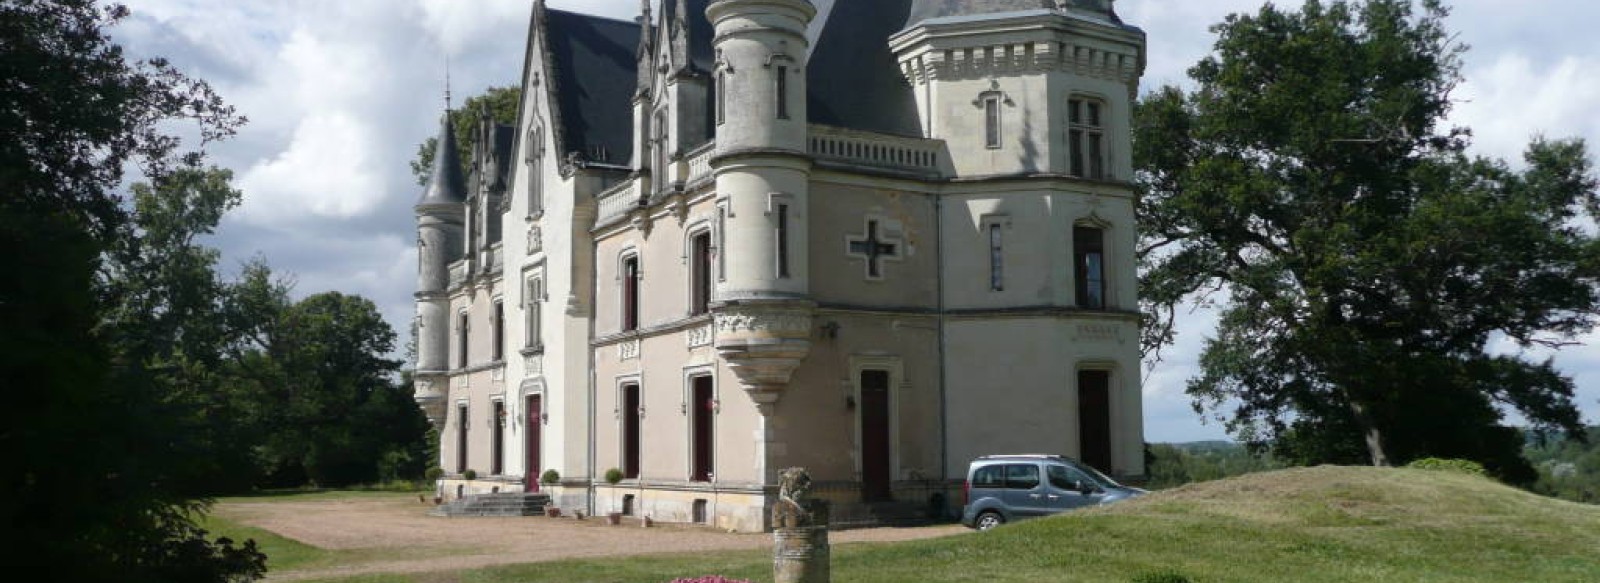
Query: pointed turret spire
x=446 y=185
x=647 y=51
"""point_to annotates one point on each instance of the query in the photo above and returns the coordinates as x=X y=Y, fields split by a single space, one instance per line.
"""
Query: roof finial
x=447 y=83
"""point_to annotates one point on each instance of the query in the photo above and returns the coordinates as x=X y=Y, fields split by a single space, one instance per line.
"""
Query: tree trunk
x=1370 y=431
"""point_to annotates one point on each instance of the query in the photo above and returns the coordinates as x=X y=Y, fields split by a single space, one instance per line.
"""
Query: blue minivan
x=1003 y=488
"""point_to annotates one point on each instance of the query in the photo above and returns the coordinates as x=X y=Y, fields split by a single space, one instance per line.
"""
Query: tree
x=500 y=102
x=92 y=449
x=1362 y=261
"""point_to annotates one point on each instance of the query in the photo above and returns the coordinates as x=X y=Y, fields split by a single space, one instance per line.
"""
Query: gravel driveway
x=395 y=527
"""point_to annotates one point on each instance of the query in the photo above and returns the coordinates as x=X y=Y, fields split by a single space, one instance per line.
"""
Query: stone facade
x=751 y=289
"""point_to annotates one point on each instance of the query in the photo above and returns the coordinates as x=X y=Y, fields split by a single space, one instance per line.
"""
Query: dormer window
x=1086 y=138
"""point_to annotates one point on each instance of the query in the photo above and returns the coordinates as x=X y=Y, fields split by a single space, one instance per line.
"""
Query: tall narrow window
x=1088 y=250
x=461 y=438
x=498 y=349
x=630 y=293
x=534 y=304
x=497 y=446
x=996 y=258
x=783 y=92
x=700 y=274
x=722 y=97
x=1085 y=138
x=702 y=408
x=991 y=121
x=660 y=171
x=631 y=434
x=783 y=240
x=461 y=338
x=722 y=245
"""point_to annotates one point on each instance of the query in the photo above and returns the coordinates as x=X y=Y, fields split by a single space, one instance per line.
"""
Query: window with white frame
x=630 y=292
x=1086 y=138
x=700 y=272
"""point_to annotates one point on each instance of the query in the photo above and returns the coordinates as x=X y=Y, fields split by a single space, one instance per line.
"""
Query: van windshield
x=1104 y=480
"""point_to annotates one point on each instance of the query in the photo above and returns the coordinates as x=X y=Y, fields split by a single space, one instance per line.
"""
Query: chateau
x=735 y=236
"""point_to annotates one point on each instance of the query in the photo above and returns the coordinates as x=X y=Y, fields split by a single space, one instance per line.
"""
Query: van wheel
x=988 y=520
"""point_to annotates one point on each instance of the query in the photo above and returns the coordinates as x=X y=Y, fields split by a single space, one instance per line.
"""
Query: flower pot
x=613 y=518
x=552 y=511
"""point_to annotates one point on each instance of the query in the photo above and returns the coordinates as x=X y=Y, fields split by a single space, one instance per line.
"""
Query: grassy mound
x=1334 y=524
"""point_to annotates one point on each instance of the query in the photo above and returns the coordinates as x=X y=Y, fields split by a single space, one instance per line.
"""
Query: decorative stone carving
x=535 y=239
x=763 y=343
x=430 y=396
x=1099 y=333
x=628 y=350
x=700 y=336
x=533 y=364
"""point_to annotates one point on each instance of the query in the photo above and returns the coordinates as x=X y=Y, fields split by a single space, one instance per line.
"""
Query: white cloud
x=1511 y=98
x=327 y=170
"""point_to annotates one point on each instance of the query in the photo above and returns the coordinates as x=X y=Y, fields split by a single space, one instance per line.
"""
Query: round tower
x=760 y=164
x=439 y=243
x=763 y=311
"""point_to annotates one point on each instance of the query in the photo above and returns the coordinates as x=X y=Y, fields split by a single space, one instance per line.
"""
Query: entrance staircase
x=498 y=504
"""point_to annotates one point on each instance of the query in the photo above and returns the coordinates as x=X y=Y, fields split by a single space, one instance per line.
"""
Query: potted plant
x=613 y=476
x=550 y=477
x=432 y=475
x=470 y=474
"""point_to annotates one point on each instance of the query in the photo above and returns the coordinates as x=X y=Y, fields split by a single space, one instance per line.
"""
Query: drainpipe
x=593 y=282
x=944 y=403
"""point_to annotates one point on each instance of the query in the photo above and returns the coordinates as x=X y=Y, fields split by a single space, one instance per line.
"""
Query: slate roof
x=701 y=32
x=853 y=79
x=593 y=62
x=446 y=185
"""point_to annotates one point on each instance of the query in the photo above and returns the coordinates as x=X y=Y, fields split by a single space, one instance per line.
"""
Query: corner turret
x=439 y=238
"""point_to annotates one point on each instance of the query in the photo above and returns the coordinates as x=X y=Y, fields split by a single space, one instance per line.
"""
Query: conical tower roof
x=446 y=186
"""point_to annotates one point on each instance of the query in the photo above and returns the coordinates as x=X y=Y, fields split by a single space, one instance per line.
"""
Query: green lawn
x=1308 y=524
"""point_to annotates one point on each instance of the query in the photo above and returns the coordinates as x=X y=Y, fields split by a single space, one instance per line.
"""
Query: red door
x=535 y=429
x=875 y=435
x=702 y=414
x=1094 y=419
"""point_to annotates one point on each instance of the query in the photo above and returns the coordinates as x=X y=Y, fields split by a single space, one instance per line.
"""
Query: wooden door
x=534 y=427
x=875 y=474
x=701 y=414
x=1094 y=419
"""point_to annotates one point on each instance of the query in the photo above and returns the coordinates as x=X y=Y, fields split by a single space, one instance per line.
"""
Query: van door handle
x=1053 y=496
x=1034 y=496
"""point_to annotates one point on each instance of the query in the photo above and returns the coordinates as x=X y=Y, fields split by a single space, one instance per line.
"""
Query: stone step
x=497 y=504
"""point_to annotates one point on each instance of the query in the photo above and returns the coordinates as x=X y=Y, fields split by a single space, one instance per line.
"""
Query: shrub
x=709 y=579
x=1449 y=465
x=613 y=476
x=433 y=473
x=550 y=476
x=470 y=474
x=1163 y=576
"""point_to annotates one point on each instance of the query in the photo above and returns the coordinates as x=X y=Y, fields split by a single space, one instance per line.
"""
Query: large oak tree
x=1362 y=261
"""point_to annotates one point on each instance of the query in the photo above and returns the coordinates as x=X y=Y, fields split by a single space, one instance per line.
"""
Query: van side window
x=988 y=477
x=1022 y=476
x=1063 y=477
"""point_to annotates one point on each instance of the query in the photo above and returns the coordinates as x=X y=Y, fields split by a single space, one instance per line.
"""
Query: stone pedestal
x=801 y=555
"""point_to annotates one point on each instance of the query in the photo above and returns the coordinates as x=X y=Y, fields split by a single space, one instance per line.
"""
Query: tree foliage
x=501 y=104
x=90 y=491
x=1569 y=467
x=1362 y=261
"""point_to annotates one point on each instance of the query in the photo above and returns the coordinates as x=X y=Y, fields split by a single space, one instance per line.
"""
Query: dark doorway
x=497 y=441
x=1094 y=418
x=534 y=427
x=630 y=431
x=875 y=435
x=700 y=419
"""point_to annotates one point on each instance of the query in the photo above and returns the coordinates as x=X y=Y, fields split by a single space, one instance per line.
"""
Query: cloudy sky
x=339 y=94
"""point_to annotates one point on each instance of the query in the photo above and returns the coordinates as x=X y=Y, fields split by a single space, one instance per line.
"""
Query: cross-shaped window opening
x=874 y=249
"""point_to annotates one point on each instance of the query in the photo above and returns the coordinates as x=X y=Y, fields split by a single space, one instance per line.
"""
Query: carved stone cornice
x=763 y=343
